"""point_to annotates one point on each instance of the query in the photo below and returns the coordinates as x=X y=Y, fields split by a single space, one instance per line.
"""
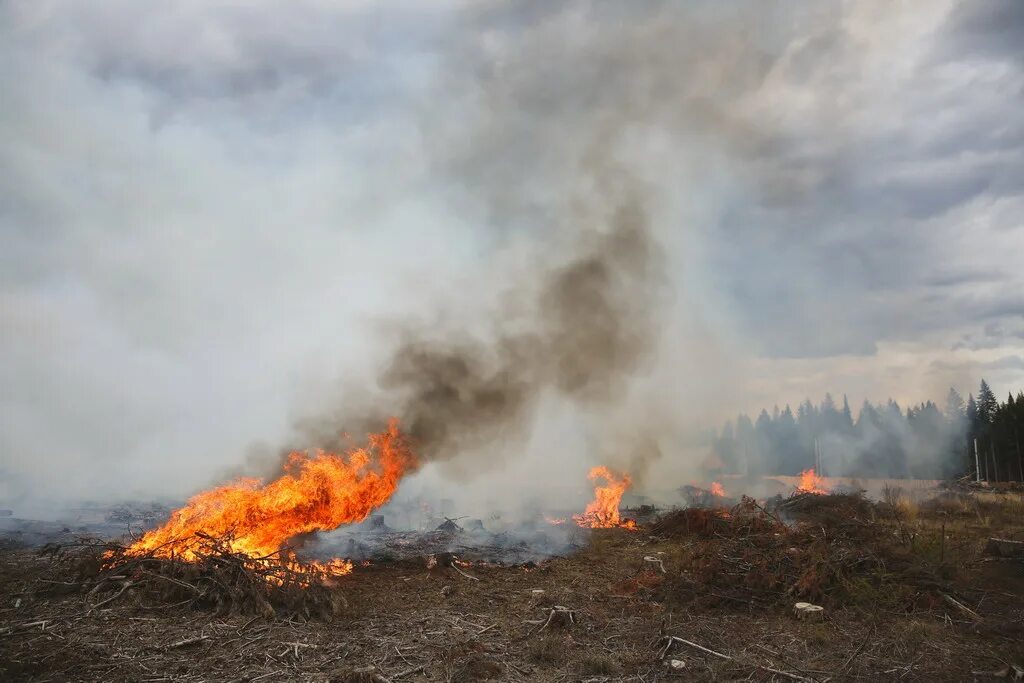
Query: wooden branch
x=675 y=639
x=126 y=586
x=456 y=568
x=187 y=642
x=962 y=607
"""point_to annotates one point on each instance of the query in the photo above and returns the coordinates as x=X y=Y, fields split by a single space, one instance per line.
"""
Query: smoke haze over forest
x=230 y=230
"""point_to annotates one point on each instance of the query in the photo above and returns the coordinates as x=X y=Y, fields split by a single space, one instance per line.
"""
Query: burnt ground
x=909 y=594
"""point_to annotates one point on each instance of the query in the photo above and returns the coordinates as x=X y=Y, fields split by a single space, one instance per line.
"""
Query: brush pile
x=745 y=518
x=220 y=580
x=829 y=551
x=836 y=507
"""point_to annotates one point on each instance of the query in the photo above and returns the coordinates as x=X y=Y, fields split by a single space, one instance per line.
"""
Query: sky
x=218 y=216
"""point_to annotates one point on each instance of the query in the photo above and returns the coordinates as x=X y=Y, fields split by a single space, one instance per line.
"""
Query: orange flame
x=603 y=511
x=811 y=483
x=317 y=491
x=717 y=490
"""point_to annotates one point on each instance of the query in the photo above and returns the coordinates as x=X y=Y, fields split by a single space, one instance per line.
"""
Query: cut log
x=805 y=611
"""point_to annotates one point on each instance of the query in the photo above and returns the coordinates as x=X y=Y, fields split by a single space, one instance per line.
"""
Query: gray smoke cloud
x=318 y=216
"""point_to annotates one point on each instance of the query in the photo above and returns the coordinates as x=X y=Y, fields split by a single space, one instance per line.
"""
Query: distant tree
x=971 y=415
x=787 y=444
x=924 y=441
x=808 y=430
x=987 y=404
x=724 y=448
x=765 y=432
x=954 y=406
x=846 y=416
x=746 y=443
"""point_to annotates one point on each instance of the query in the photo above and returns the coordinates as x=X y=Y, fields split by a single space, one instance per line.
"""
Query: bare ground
x=933 y=607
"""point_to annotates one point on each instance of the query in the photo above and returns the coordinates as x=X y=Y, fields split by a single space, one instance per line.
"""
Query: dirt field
x=902 y=599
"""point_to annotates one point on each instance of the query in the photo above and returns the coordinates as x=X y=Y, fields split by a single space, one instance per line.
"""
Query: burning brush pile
x=227 y=548
x=603 y=511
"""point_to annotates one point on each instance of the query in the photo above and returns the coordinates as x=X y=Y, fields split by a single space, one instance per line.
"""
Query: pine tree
x=786 y=442
x=764 y=429
x=987 y=404
x=954 y=406
x=746 y=444
x=847 y=416
x=971 y=414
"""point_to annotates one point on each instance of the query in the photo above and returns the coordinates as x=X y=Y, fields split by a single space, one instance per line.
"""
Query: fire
x=717 y=490
x=317 y=491
x=811 y=482
x=603 y=511
x=554 y=521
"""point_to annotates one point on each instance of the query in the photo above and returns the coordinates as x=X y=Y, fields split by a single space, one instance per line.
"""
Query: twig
x=655 y=560
x=456 y=568
x=187 y=642
x=413 y=670
x=173 y=580
x=783 y=673
x=857 y=651
x=675 y=639
x=246 y=625
x=401 y=655
x=127 y=585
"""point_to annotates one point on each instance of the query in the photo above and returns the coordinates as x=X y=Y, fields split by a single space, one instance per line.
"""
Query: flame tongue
x=318 y=491
x=603 y=511
x=811 y=482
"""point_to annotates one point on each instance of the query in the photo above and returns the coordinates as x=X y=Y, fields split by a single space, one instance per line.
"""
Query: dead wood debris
x=829 y=550
x=221 y=580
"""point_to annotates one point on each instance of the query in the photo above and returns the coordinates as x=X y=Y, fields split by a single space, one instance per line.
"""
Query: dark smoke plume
x=579 y=327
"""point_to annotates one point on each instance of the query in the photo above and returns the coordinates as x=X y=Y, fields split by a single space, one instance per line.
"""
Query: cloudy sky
x=214 y=214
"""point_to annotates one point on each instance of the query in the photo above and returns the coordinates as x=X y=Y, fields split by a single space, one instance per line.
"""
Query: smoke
x=579 y=329
x=543 y=235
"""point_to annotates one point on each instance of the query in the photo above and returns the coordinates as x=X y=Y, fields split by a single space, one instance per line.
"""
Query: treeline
x=924 y=441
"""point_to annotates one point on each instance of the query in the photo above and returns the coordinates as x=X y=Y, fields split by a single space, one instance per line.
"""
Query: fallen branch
x=456 y=568
x=187 y=642
x=784 y=673
x=674 y=639
x=962 y=607
x=115 y=596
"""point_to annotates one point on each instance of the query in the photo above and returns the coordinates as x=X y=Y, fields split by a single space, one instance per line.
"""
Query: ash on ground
x=492 y=541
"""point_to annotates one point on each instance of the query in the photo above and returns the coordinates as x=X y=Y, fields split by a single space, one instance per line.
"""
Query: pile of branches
x=828 y=554
x=743 y=519
x=834 y=509
x=218 y=579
